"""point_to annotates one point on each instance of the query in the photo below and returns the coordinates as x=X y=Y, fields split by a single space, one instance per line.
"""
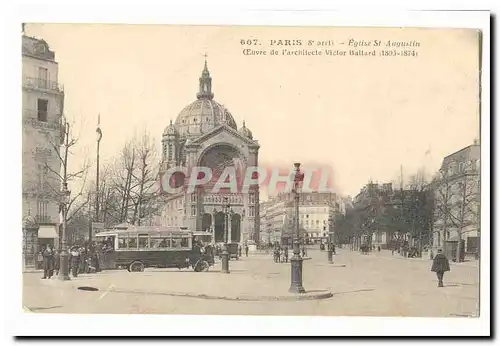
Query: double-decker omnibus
x=137 y=248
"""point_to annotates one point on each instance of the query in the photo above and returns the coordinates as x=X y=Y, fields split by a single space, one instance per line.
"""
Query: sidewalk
x=424 y=258
x=244 y=283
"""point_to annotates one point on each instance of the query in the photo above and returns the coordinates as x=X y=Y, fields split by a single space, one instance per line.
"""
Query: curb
x=323 y=294
x=334 y=265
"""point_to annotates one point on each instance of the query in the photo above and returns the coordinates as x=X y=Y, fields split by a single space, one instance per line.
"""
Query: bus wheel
x=201 y=266
x=136 y=266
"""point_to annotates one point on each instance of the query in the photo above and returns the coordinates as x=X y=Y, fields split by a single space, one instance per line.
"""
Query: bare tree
x=129 y=188
x=457 y=201
x=145 y=189
x=63 y=147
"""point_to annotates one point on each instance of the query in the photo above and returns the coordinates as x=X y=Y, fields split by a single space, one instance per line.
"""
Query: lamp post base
x=330 y=256
x=296 y=268
x=225 y=262
x=63 y=266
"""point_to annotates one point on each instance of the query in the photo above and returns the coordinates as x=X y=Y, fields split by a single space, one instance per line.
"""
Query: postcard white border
x=185 y=12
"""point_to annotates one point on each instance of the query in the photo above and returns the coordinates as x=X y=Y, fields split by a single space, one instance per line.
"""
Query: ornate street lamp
x=214 y=212
x=64 y=265
x=296 y=260
x=98 y=132
x=225 y=254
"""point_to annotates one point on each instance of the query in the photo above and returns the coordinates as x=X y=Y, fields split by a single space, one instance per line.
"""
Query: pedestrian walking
x=246 y=250
x=286 y=254
x=239 y=251
x=440 y=265
x=48 y=262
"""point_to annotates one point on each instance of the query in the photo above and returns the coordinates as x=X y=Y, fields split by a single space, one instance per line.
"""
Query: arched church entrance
x=220 y=156
x=206 y=222
x=219 y=227
x=236 y=228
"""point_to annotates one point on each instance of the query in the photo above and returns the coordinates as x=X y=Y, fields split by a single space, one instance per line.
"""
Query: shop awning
x=47 y=232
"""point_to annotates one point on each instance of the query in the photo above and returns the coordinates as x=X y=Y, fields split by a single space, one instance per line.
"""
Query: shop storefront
x=35 y=237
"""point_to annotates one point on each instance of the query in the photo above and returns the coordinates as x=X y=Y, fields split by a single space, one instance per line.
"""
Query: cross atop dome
x=205 y=89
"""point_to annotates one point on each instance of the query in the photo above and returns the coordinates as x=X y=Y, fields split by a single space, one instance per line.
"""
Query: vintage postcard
x=251 y=170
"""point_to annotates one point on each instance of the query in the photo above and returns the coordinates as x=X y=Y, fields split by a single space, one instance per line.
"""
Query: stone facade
x=459 y=184
x=316 y=210
x=42 y=108
x=205 y=134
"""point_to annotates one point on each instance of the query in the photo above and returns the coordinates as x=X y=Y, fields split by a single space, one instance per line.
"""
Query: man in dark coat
x=246 y=250
x=440 y=265
x=286 y=254
x=48 y=262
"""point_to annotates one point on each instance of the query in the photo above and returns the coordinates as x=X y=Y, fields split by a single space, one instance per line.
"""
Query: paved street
x=375 y=285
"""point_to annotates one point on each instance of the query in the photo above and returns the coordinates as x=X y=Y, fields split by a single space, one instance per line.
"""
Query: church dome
x=205 y=113
x=170 y=130
x=245 y=132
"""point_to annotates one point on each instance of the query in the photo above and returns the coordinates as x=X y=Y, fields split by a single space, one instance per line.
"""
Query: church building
x=205 y=134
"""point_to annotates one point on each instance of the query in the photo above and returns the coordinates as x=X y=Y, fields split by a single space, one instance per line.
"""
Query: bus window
x=132 y=243
x=143 y=242
x=154 y=243
x=164 y=243
x=122 y=243
x=176 y=243
x=184 y=242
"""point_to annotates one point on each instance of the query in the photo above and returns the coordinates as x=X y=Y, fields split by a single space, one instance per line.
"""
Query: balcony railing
x=43 y=219
x=42 y=84
x=31 y=117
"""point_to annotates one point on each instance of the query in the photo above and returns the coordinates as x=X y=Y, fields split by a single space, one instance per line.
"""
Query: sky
x=365 y=117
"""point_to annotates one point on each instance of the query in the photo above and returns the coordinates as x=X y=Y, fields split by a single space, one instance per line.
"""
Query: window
x=184 y=242
x=154 y=243
x=43 y=76
x=251 y=211
x=132 y=243
x=251 y=198
x=169 y=151
x=42 y=109
x=164 y=243
x=193 y=210
x=176 y=243
x=143 y=242
x=42 y=211
x=122 y=243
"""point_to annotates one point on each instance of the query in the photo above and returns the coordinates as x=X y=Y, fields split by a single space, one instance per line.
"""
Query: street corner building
x=205 y=134
x=458 y=203
x=42 y=109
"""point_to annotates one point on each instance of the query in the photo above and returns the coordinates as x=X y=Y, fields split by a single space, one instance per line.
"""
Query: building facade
x=317 y=211
x=457 y=199
x=42 y=109
x=205 y=134
x=391 y=218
